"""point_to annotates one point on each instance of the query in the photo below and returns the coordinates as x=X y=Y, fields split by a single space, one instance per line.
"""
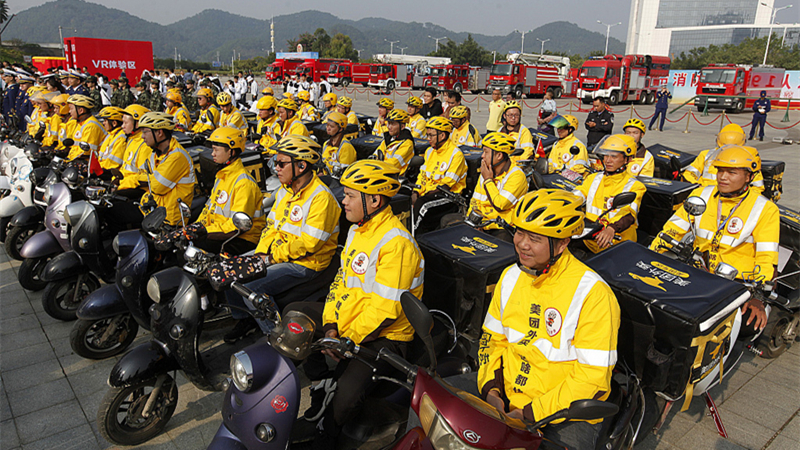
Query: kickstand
x=712 y=409
x=663 y=417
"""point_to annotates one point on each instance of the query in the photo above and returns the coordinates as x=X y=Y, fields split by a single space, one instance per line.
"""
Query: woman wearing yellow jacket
x=267 y=121
x=561 y=156
x=231 y=116
x=174 y=101
x=112 y=150
x=512 y=126
x=398 y=147
x=337 y=152
x=88 y=129
x=208 y=120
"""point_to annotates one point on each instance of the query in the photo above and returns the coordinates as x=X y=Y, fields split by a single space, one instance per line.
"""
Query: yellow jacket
x=52 y=127
x=302 y=227
x=496 y=197
x=90 y=131
x=66 y=130
x=598 y=189
x=267 y=129
x=549 y=340
x=560 y=157
x=234 y=191
x=380 y=127
x=324 y=118
x=171 y=178
x=380 y=261
x=399 y=152
x=352 y=119
x=36 y=117
x=344 y=154
x=133 y=161
x=416 y=124
x=466 y=135
x=748 y=240
x=307 y=112
x=291 y=126
x=702 y=172
x=112 y=150
x=642 y=167
x=234 y=119
x=495 y=113
x=207 y=120
x=182 y=116
x=524 y=141
x=443 y=167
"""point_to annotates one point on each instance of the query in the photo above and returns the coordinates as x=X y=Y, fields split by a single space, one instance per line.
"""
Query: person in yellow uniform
x=385 y=105
x=329 y=103
x=496 y=107
x=337 y=152
x=500 y=185
x=267 y=127
x=598 y=189
x=88 y=129
x=380 y=262
x=37 y=129
x=444 y=166
x=57 y=115
x=174 y=101
x=512 y=126
x=397 y=147
x=416 y=123
x=550 y=333
x=307 y=110
x=137 y=152
x=231 y=116
x=37 y=115
x=288 y=121
x=67 y=125
x=643 y=163
x=463 y=131
x=112 y=150
x=561 y=156
x=209 y=116
x=739 y=227
x=299 y=239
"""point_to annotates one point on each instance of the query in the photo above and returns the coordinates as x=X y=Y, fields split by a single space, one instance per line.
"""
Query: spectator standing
x=495 y=111
x=599 y=122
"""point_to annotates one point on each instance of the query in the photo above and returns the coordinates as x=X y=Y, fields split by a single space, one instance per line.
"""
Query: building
x=669 y=27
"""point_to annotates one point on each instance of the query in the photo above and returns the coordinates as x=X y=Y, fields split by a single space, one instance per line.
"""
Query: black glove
x=195 y=231
x=39 y=134
x=67 y=142
x=241 y=269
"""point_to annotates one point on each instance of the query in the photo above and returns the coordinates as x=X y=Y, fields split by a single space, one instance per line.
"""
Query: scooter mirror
x=574 y=150
x=694 y=206
x=421 y=320
x=726 y=271
x=518 y=152
x=538 y=181
x=28 y=119
x=541 y=166
x=242 y=222
x=625 y=198
x=591 y=409
x=186 y=211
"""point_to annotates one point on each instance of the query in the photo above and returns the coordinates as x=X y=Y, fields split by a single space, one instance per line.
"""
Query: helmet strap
x=368 y=216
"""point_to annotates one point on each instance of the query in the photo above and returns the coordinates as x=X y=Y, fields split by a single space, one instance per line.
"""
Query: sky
x=477 y=16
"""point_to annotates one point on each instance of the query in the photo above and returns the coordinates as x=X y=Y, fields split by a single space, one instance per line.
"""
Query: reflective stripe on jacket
x=91 y=132
x=344 y=154
x=137 y=152
x=561 y=158
x=702 y=171
x=207 y=120
x=292 y=126
x=398 y=153
x=234 y=191
x=466 y=135
x=444 y=166
x=234 y=119
x=497 y=197
x=171 y=178
x=112 y=150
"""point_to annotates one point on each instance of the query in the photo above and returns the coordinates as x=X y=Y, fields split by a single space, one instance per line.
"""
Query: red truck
x=43 y=63
x=736 y=79
x=110 y=56
x=345 y=72
x=281 y=70
x=619 y=78
x=388 y=77
x=316 y=67
x=530 y=74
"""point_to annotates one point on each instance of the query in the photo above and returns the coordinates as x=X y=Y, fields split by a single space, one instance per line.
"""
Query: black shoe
x=750 y=138
x=240 y=330
x=761 y=138
x=321 y=396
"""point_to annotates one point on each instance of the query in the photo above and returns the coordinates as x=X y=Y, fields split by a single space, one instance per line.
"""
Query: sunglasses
x=281 y=164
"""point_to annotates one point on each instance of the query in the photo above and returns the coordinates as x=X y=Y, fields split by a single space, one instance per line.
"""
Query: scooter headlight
x=154 y=290
x=48 y=192
x=242 y=371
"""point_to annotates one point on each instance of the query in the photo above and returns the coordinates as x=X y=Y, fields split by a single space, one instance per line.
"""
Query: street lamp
x=771 y=21
x=359 y=53
x=402 y=50
x=437 y=41
x=523 y=33
x=391 y=46
x=608 y=31
x=542 y=41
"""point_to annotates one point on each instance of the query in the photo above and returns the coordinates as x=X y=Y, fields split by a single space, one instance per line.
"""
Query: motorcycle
x=20 y=196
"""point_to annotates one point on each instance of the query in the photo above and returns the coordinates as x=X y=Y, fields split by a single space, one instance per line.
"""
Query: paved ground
x=49 y=396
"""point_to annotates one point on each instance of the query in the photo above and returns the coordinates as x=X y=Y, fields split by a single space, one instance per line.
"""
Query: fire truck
x=457 y=77
x=736 y=79
x=530 y=74
x=113 y=57
x=393 y=71
x=619 y=78
x=282 y=69
x=316 y=67
x=345 y=72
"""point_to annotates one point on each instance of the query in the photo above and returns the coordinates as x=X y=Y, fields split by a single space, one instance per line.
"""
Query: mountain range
x=213 y=33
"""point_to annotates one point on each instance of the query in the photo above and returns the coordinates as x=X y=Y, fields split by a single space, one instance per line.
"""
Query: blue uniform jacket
x=762 y=103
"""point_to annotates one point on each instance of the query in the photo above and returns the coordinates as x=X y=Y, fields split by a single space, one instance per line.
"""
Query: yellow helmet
x=440 y=123
x=731 y=137
x=499 y=142
x=174 y=97
x=288 y=103
x=230 y=137
x=733 y=127
x=337 y=118
x=620 y=143
x=635 y=123
x=372 y=177
x=61 y=101
x=299 y=147
x=223 y=98
x=737 y=157
x=81 y=100
x=754 y=153
x=110 y=113
x=565 y=121
x=304 y=95
x=135 y=111
x=459 y=112
x=205 y=92
x=267 y=102
x=550 y=212
x=398 y=115
x=512 y=104
x=330 y=97
x=347 y=102
x=157 y=121
x=414 y=101
x=267 y=91
x=386 y=102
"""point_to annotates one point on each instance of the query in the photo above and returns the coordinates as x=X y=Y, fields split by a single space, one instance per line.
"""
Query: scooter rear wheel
x=62 y=298
x=30 y=273
x=16 y=238
x=771 y=342
x=120 y=418
x=92 y=339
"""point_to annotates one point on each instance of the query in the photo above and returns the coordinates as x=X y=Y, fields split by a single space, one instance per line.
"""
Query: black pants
x=662 y=112
x=428 y=212
x=353 y=377
x=124 y=215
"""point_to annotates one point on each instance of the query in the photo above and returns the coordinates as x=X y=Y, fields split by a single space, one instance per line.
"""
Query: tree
x=341 y=46
x=749 y=51
x=468 y=52
x=3 y=13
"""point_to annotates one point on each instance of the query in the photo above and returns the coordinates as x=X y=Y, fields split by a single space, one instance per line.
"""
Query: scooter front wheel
x=62 y=298
x=123 y=418
x=772 y=342
x=16 y=238
x=104 y=338
x=30 y=273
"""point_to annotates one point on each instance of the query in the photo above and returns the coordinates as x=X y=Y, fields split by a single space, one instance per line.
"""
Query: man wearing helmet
x=344 y=106
x=329 y=104
x=598 y=189
x=512 y=126
x=89 y=130
x=136 y=153
x=60 y=127
x=416 y=123
x=380 y=262
x=288 y=122
x=209 y=116
x=385 y=105
x=463 y=131
x=739 y=227
x=562 y=155
x=266 y=130
x=599 y=122
x=642 y=164
x=306 y=110
x=337 y=152
x=175 y=108
x=112 y=150
x=230 y=116
x=302 y=229
x=702 y=170
x=397 y=147
x=550 y=334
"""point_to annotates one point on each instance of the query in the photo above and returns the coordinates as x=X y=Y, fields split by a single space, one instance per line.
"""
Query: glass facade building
x=691 y=13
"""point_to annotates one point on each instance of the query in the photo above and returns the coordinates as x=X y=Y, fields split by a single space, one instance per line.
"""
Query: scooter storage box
x=789 y=251
x=660 y=201
x=556 y=181
x=668 y=160
x=472 y=155
x=208 y=169
x=462 y=266
x=665 y=307
x=366 y=145
x=772 y=171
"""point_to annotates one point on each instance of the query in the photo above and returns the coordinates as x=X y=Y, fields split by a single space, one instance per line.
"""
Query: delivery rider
x=209 y=116
x=175 y=108
x=337 y=152
x=416 y=123
x=397 y=147
x=385 y=105
x=63 y=127
x=288 y=122
x=267 y=121
x=306 y=110
x=512 y=126
x=561 y=156
x=463 y=131
x=136 y=153
x=231 y=116
x=739 y=227
x=344 y=106
x=598 y=189
x=329 y=103
x=643 y=163
x=88 y=129
x=550 y=334
x=112 y=150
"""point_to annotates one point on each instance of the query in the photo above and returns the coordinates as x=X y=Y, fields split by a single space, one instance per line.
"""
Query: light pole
x=608 y=31
x=771 y=21
x=542 y=41
x=391 y=46
x=359 y=53
x=402 y=50
x=523 y=33
x=437 y=41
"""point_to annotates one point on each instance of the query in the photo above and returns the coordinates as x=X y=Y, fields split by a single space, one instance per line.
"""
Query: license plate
x=712 y=99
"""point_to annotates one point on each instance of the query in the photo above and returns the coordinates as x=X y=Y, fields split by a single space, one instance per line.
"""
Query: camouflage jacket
x=98 y=100
x=122 y=98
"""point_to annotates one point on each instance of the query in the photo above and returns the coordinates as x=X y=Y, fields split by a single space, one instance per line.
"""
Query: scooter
x=21 y=196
